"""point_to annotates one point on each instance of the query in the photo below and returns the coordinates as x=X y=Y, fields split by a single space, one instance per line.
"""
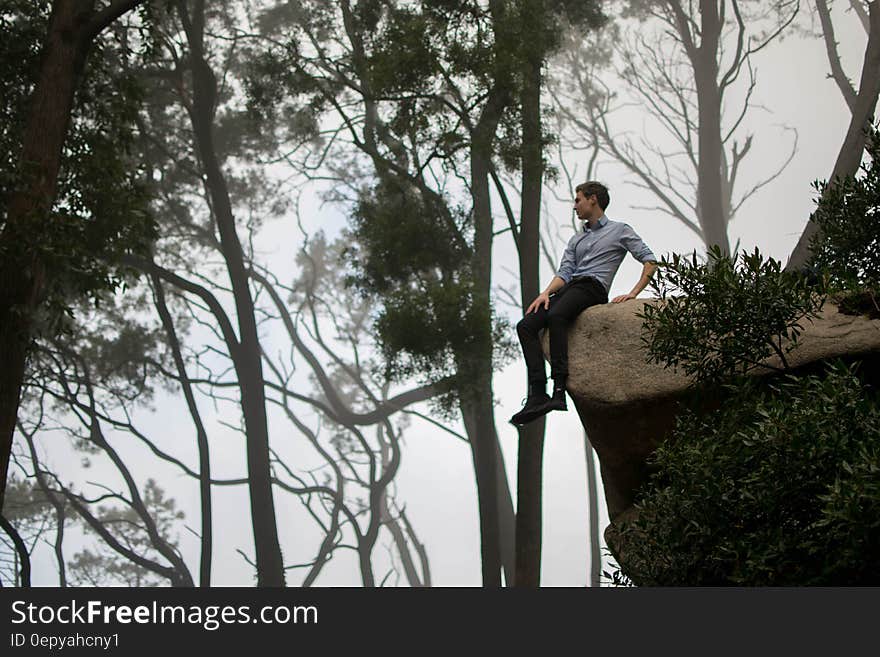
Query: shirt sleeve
x=634 y=244
x=567 y=266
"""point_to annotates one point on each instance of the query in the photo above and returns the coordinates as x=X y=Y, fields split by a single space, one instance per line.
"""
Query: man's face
x=584 y=205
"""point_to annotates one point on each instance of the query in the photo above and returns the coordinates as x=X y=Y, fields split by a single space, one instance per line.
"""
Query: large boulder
x=628 y=406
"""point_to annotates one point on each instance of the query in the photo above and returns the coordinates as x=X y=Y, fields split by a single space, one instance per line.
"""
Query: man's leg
x=528 y=329
x=580 y=295
x=565 y=305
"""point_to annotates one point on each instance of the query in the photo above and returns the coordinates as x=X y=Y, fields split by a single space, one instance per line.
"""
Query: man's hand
x=542 y=298
x=648 y=269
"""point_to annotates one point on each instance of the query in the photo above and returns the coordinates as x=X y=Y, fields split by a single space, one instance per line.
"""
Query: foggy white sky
x=436 y=481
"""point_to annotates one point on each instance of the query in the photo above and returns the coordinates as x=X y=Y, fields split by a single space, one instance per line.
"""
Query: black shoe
x=536 y=406
x=557 y=401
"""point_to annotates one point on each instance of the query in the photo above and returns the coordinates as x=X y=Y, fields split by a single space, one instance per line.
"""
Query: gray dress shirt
x=598 y=252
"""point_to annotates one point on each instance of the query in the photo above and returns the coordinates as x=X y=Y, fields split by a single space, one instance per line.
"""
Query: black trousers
x=572 y=299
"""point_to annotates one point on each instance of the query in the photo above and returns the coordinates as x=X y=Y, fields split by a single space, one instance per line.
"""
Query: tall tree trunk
x=22 y=272
x=506 y=517
x=368 y=581
x=246 y=356
x=496 y=514
x=479 y=426
x=531 y=437
x=379 y=480
x=851 y=151
x=710 y=205
x=532 y=150
x=477 y=405
x=593 y=502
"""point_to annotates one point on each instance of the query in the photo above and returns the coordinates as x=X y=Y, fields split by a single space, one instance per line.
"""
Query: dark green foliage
x=404 y=237
x=779 y=487
x=21 y=31
x=404 y=57
x=408 y=252
x=104 y=189
x=432 y=66
x=847 y=246
x=101 y=209
x=722 y=316
x=275 y=91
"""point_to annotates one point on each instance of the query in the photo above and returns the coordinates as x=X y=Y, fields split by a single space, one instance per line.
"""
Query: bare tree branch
x=102 y=19
x=837 y=73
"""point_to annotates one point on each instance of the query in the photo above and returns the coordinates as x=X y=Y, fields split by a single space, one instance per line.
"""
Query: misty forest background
x=260 y=263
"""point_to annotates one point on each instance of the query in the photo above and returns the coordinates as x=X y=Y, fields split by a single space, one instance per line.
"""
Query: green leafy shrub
x=721 y=317
x=847 y=246
x=776 y=486
x=779 y=487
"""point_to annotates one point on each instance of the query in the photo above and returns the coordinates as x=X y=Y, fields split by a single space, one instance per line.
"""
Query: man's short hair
x=593 y=187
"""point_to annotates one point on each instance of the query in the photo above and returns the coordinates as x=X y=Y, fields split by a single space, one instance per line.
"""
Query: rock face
x=628 y=406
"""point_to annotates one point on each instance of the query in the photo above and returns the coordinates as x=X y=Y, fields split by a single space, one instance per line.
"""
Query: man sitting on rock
x=589 y=264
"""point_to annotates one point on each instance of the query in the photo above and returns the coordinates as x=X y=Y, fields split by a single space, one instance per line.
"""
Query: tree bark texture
x=506 y=517
x=477 y=404
x=479 y=425
x=529 y=505
x=531 y=437
x=593 y=503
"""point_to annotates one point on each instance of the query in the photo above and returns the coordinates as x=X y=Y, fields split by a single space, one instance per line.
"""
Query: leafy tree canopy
x=404 y=254
x=101 y=208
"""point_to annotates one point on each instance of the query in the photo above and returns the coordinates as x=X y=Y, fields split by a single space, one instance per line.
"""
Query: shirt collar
x=599 y=224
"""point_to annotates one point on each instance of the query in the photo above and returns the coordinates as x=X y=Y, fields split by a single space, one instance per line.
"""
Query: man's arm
x=563 y=274
x=648 y=269
x=544 y=298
